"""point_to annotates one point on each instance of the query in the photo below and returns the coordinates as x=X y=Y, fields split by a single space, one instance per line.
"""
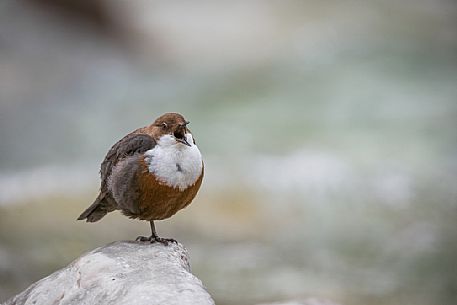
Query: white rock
x=310 y=301
x=121 y=273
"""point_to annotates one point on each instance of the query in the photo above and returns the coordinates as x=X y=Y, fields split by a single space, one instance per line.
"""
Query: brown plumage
x=150 y=174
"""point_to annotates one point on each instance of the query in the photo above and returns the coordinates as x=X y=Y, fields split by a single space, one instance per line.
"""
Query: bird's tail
x=96 y=211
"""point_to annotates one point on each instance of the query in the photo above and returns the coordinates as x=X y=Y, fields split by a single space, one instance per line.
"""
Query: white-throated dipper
x=150 y=174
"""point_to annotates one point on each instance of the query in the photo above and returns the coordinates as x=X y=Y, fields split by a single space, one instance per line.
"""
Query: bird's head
x=174 y=125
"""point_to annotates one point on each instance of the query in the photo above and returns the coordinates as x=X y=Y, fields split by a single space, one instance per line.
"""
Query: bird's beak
x=183 y=141
x=180 y=135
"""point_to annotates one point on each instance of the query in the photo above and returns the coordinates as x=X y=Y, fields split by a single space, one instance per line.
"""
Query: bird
x=150 y=174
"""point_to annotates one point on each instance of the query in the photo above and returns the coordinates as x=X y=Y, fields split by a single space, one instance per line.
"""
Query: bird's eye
x=164 y=125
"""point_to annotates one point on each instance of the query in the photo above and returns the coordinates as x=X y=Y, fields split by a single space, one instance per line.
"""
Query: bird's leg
x=154 y=238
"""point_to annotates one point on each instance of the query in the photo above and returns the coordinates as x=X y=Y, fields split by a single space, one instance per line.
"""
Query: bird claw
x=143 y=238
x=164 y=241
x=153 y=239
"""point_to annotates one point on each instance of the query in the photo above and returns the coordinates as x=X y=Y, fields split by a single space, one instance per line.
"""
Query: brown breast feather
x=157 y=200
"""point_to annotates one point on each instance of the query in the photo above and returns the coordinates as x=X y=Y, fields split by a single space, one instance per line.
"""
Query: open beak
x=180 y=135
x=183 y=141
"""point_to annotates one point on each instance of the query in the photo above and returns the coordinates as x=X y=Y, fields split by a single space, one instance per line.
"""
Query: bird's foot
x=143 y=238
x=164 y=241
x=153 y=239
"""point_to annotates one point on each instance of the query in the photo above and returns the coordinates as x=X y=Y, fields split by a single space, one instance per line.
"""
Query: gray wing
x=130 y=145
x=128 y=148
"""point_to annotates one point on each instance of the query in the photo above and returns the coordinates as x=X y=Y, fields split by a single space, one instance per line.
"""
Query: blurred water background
x=328 y=130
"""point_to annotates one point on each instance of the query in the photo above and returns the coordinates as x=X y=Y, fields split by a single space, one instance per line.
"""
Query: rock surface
x=311 y=301
x=121 y=273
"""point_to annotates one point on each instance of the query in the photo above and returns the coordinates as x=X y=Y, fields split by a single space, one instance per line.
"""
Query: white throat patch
x=173 y=163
